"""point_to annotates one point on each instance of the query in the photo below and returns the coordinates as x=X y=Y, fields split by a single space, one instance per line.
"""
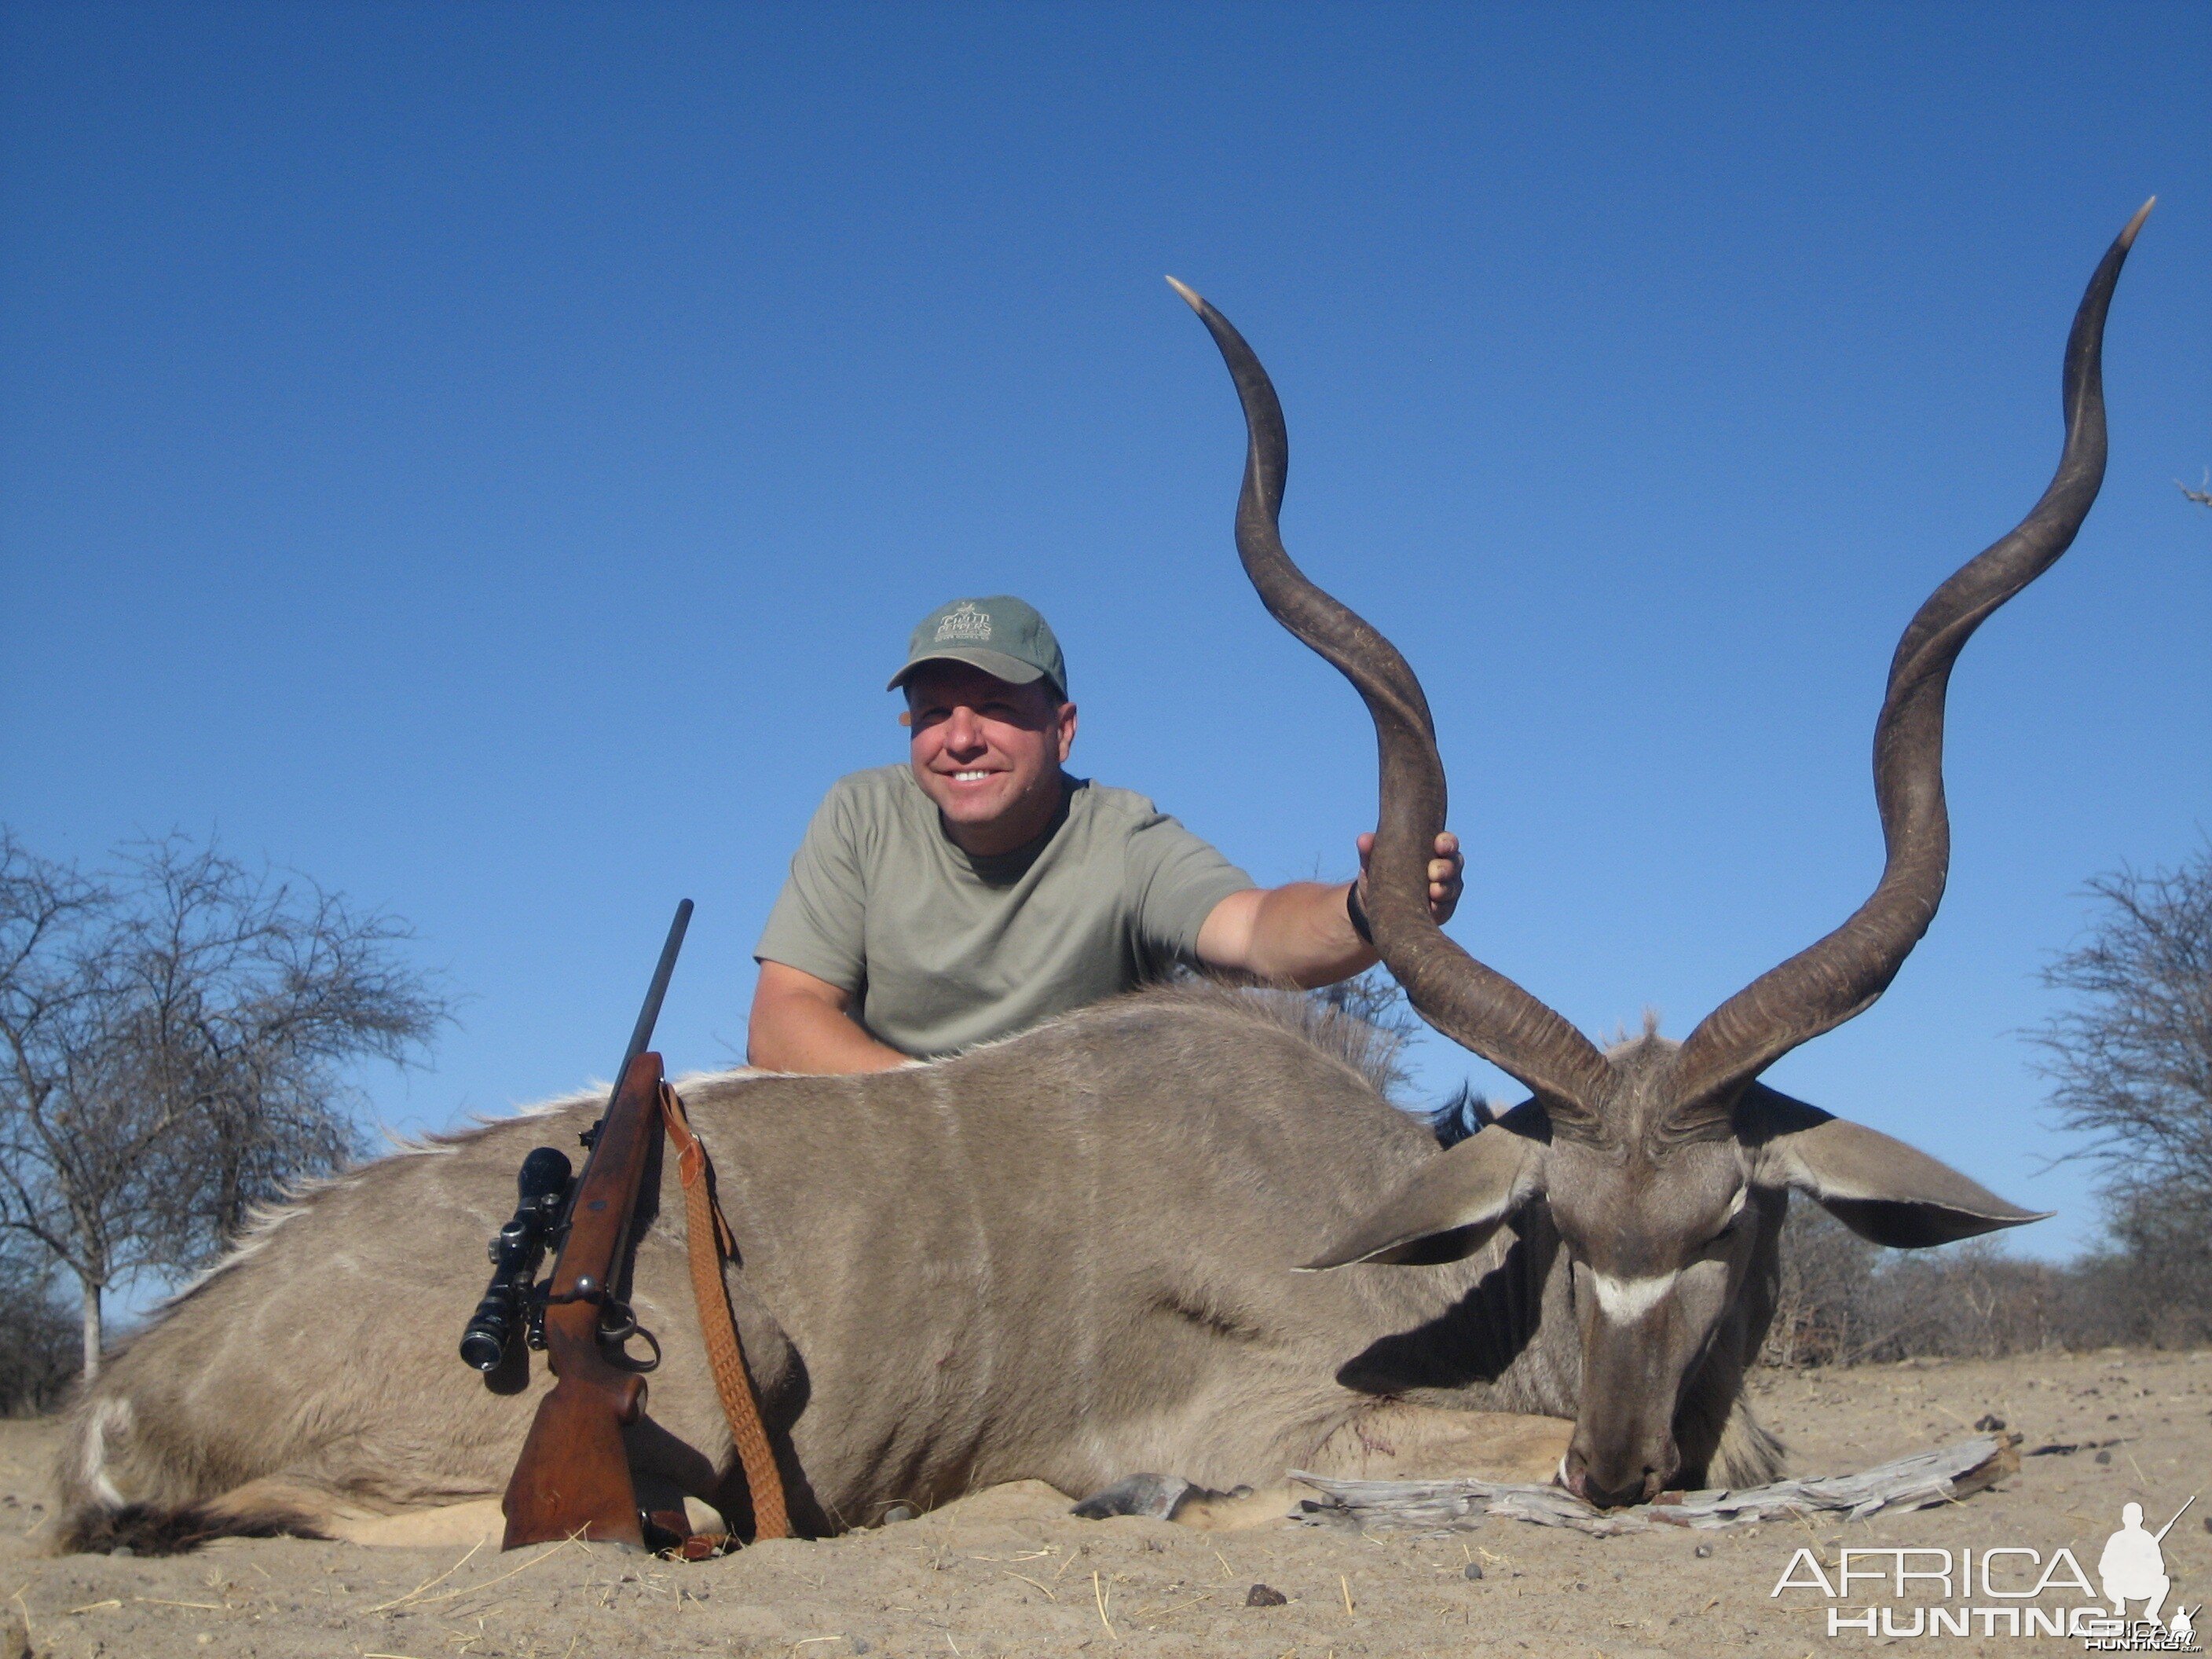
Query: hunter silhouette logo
x=2133 y=1566
x=965 y=622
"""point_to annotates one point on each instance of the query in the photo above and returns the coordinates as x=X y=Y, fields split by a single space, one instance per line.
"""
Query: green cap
x=1000 y=635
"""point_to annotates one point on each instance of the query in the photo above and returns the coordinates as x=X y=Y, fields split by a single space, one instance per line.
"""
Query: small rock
x=1704 y=1552
x=899 y=1512
x=1262 y=1597
x=123 y=1550
x=857 y=1643
x=1471 y=1569
x=2103 y=1457
x=1988 y=1422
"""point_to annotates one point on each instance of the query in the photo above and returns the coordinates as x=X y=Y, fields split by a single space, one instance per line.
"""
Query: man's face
x=987 y=753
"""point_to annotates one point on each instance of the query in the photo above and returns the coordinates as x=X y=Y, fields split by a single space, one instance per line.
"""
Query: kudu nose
x=1611 y=1484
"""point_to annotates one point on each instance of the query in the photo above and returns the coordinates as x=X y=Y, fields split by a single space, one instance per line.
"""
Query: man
x=979 y=889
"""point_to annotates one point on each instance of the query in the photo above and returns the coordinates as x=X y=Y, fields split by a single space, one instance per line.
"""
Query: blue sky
x=489 y=457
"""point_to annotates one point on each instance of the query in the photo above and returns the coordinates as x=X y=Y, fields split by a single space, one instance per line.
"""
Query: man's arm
x=1297 y=934
x=802 y=1024
x=1300 y=933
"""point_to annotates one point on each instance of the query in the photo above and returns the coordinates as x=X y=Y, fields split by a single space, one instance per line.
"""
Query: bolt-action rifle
x=573 y=1479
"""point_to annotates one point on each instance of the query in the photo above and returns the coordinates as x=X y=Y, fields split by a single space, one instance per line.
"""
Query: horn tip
x=1191 y=298
x=2128 y=236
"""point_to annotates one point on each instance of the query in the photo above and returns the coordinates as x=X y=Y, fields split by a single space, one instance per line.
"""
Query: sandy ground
x=1007 y=1571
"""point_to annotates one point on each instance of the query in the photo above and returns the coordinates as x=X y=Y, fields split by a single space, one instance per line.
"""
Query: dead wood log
x=1940 y=1476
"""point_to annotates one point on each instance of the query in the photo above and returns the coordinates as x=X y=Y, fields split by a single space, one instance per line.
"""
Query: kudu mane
x=1332 y=1033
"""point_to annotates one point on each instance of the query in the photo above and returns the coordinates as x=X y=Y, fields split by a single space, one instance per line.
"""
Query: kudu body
x=1066 y=1256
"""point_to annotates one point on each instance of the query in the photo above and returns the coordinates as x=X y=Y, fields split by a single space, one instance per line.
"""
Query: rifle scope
x=515 y=1252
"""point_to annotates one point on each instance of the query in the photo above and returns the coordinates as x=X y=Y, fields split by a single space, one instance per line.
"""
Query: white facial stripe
x=1625 y=1300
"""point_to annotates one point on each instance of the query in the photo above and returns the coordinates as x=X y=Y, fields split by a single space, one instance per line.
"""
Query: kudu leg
x=669 y=1474
x=1398 y=1442
x=1394 y=1442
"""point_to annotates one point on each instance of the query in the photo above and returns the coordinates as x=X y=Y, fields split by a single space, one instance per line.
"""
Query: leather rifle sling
x=711 y=1243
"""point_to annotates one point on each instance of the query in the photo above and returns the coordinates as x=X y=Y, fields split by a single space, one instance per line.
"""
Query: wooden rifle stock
x=573 y=1479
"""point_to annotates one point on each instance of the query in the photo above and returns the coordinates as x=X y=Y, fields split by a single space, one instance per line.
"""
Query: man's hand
x=1445 y=873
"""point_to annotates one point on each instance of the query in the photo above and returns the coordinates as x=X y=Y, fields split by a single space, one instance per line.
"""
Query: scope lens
x=482 y=1349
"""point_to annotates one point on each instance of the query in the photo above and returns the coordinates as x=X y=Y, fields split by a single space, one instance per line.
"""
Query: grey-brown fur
x=1065 y=1257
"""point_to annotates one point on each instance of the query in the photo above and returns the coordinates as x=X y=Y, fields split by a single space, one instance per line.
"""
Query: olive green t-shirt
x=942 y=949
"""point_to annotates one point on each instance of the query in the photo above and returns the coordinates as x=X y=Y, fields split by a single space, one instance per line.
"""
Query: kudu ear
x=1452 y=1204
x=1880 y=1189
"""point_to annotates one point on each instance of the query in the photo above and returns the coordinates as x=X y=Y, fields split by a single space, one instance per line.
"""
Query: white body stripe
x=1624 y=1300
x=108 y=1414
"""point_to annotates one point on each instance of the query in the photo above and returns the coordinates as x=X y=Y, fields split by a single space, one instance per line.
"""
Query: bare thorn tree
x=2132 y=1066
x=38 y=1332
x=177 y=1037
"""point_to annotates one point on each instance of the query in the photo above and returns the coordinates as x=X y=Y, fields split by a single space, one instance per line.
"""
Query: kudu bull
x=1067 y=1256
x=1664 y=1167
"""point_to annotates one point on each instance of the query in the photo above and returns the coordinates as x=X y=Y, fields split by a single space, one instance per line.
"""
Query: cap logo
x=966 y=622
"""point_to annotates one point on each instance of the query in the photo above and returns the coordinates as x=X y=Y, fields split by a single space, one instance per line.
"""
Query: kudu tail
x=119 y=1492
x=145 y=1529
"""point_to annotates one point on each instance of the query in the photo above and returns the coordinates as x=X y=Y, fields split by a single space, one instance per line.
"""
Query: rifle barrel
x=2177 y=1514
x=650 y=1015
